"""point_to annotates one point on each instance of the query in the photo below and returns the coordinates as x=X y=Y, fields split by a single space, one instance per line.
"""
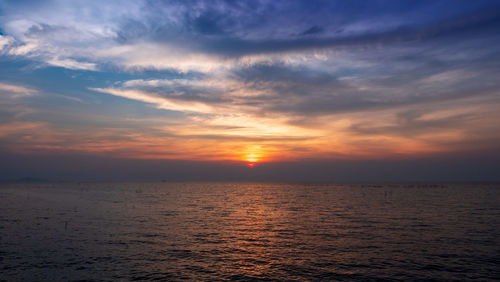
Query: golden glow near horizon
x=227 y=138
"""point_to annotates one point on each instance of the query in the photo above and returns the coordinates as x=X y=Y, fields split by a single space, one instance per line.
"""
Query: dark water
x=247 y=231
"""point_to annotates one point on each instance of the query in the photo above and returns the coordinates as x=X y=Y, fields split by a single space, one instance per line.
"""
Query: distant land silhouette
x=31 y=179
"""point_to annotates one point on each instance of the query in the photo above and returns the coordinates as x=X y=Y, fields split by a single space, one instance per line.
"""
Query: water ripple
x=249 y=231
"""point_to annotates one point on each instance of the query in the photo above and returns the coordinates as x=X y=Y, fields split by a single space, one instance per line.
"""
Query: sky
x=250 y=90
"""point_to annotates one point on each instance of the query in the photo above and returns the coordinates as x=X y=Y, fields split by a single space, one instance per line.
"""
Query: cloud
x=309 y=88
x=15 y=91
x=18 y=128
x=160 y=102
x=313 y=30
x=5 y=41
x=204 y=36
x=72 y=64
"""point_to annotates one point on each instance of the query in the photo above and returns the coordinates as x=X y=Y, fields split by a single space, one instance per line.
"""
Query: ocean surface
x=249 y=231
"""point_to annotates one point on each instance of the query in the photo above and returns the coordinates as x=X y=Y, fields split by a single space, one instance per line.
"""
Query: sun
x=252 y=156
x=252 y=161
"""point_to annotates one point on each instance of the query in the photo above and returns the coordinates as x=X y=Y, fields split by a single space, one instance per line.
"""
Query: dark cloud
x=208 y=24
x=313 y=30
x=235 y=29
x=410 y=124
x=301 y=90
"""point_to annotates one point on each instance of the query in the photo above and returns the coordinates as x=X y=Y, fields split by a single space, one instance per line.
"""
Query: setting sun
x=252 y=159
x=252 y=155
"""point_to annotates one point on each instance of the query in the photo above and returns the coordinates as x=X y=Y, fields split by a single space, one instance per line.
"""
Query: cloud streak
x=13 y=91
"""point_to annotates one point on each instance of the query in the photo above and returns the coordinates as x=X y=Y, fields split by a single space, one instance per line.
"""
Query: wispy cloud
x=15 y=91
x=160 y=102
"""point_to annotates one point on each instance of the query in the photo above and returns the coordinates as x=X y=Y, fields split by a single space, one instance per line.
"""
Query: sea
x=249 y=231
